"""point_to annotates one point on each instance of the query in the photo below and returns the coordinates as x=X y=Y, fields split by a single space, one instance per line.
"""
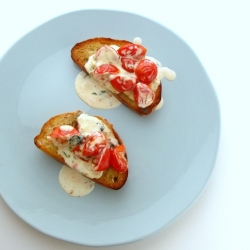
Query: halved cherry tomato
x=102 y=160
x=118 y=160
x=94 y=144
x=135 y=51
x=143 y=94
x=146 y=71
x=107 y=52
x=63 y=133
x=77 y=150
x=106 y=68
x=103 y=71
x=122 y=83
x=128 y=64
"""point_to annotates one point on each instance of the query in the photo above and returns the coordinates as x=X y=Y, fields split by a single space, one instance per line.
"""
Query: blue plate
x=171 y=152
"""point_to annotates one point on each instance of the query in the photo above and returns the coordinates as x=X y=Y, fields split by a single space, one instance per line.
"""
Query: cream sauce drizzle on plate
x=73 y=183
x=93 y=94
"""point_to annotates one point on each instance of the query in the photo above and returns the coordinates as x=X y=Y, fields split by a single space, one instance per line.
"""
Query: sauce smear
x=93 y=94
x=73 y=183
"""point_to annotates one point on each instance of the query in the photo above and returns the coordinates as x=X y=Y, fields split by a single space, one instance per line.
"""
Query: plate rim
x=217 y=143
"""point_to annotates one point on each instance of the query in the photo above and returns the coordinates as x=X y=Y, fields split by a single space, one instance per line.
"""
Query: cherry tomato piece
x=121 y=83
x=135 y=51
x=77 y=150
x=106 y=51
x=146 y=71
x=144 y=95
x=102 y=160
x=128 y=64
x=106 y=68
x=118 y=160
x=94 y=144
x=102 y=72
x=63 y=133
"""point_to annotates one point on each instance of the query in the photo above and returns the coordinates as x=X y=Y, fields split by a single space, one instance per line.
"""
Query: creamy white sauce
x=137 y=40
x=160 y=104
x=74 y=162
x=167 y=73
x=94 y=94
x=89 y=124
x=163 y=72
x=73 y=183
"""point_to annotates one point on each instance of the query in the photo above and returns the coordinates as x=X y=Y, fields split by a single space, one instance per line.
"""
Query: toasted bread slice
x=83 y=50
x=110 y=177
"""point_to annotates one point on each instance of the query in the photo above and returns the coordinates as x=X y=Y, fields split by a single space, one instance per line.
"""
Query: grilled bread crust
x=110 y=177
x=80 y=54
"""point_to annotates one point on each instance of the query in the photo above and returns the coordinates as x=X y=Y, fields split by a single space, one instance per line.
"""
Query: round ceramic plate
x=171 y=152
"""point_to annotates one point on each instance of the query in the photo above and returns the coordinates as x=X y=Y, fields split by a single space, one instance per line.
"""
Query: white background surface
x=219 y=33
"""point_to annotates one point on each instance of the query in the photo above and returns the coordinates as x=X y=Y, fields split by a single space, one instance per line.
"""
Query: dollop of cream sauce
x=160 y=104
x=73 y=183
x=137 y=40
x=98 y=96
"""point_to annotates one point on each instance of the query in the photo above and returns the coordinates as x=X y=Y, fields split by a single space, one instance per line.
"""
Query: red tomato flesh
x=102 y=72
x=77 y=150
x=135 y=51
x=128 y=64
x=94 y=144
x=121 y=83
x=146 y=71
x=118 y=160
x=106 y=68
x=63 y=133
x=102 y=160
x=143 y=94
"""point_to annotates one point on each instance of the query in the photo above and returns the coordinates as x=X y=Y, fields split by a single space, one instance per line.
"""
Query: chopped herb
x=66 y=154
x=94 y=93
x=101 y=126
x=75 y=140
x=103 y=91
